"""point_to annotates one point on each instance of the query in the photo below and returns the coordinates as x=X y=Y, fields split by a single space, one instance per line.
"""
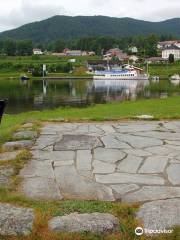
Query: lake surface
x=39 y=94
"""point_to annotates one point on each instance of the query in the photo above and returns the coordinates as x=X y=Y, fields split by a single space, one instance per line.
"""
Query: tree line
x=11 y=47
x=147 y=45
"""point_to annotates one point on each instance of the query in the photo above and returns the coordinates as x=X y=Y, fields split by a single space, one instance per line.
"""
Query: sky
x=15 y=13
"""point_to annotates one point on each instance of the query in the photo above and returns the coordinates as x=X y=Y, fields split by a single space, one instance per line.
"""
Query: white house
x=133 y=49
x=165 y=44
x=37 y=51
x=133 y=58
x=171 y=50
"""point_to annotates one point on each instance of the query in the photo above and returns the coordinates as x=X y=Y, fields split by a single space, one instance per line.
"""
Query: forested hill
x=67 y=27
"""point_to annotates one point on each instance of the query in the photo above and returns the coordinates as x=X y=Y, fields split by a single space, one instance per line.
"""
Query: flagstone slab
x=173 y=172
x=6 y=173
x=74 y=186
x=83 y=160
x=138 y=141
x=25 y=134
x=77 y=142
x=154 y=164
x=41 y=188
x=102 y=167
x=108 y=155
x=129 y=178
x=150 y=193
x=130 y=164
x=160 y=215
x=122 y=189
x=132 y=161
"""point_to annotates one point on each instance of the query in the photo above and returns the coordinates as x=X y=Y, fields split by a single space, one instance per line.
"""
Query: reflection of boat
x=24 y=77
x=155 y=79
x=126 y=73
x=175 y=79
x=121 y=88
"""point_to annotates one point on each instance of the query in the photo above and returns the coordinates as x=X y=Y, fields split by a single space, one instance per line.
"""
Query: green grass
x=160 y=108
x=164 y=70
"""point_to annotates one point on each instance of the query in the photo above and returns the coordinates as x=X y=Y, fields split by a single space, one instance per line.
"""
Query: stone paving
x=134 y=161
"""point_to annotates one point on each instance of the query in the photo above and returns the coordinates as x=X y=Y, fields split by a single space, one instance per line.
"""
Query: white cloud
x=18 y=12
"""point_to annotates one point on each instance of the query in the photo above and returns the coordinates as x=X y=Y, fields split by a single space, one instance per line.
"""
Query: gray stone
x=138 y=141
x=154 y=164
x=45 y=141
x=150 y=193
x=40 y=188
x=137 y=152
x=10 y=146
x=6 y=173
x=173 y=172
x=9 y=155
x=129 y=178
x=108 y=155
x=15 y=221
x=63 y=163
x=77 y=142
x=111 y=142
x=145 y=117
x=107 y=128
x=25 y=135
x=136 y=127
x=93 y=222
x=37 y=169
x=130 y=164
x=53 y=155
x=161 y=214
x=102 y=167
x=122 y=189
x=160 y=150
x=83 y=160
x=74 y=186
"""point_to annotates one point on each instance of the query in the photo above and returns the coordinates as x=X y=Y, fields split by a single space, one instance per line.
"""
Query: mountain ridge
x=67 y=27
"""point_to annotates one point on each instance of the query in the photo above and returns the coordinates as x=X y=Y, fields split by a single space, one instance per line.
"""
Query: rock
x=77 y=142
x=103 y=168
x=25 y=135
x=10 y=146
x=129 y=178
x=173 y=172
x=53 y=156
x=9 y=155
x=101 y=223
x=130 y=164
x=40 y=188
x=6 y=173
x=121 y=189
x=83 y=160
x=111 y=142
x=138 y=141
x=161 y=214
x=145 y=117
x=108 y=155
x=150 y=193
x=154 y=164
x=15 y=221
x=74 y=186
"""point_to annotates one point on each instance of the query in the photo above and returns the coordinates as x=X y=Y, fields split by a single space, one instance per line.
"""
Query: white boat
x=127 y=73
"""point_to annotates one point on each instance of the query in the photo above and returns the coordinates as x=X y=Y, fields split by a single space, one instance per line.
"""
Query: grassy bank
x=159 y=108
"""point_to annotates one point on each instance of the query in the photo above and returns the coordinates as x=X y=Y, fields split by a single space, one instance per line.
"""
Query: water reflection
x=118 y=90
x=38 y=95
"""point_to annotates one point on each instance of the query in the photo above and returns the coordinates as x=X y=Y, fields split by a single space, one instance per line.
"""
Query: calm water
x=37 y=94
